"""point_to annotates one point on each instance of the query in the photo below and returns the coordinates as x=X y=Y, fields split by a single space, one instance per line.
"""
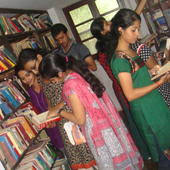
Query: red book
x=12 y=144
x=13 y=24
x=10 y=160
x=29 y=105
x=41 y=120
x=21 y=129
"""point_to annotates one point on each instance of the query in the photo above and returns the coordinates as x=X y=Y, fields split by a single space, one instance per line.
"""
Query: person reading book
x=93 y=110
x=38 y=99
x=150 y=112
x=79 y=156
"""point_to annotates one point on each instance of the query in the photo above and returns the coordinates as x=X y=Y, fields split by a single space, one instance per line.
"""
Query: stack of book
x=10 y=98
x=7 y=59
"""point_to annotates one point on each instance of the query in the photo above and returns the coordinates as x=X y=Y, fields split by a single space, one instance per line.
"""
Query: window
x=81 y=14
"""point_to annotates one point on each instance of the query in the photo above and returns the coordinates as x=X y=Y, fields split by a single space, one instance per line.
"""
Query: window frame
x=94 y=11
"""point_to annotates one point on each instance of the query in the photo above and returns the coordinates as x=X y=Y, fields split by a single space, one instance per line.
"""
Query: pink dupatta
x=103 y=115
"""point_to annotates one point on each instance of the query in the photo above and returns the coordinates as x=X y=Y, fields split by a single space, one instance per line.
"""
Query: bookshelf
x=20 y=29
x=157 y=16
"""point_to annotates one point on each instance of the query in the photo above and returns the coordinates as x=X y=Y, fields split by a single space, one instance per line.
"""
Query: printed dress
x=106 y=135
x=126 y=115
x=150 y=112
x=79 y=156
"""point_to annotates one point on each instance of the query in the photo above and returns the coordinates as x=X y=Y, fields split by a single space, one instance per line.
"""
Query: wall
x=57 y=14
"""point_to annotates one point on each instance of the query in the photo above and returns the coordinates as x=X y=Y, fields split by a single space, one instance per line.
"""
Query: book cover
x=28 y=129
x=41 y=120
x=2 y=58
x=20 y=141
x=4 y=140
x=20 y=129
x=14 y=19
x=8 y=95
x=5 y=107
x=10 y=161
x=21 y=89
x=10 y=139
x=8 y=54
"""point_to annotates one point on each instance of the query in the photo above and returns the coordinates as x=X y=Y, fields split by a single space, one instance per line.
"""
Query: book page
x=163 y=70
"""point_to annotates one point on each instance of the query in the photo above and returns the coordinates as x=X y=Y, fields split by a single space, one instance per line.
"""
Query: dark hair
x=123 y=18
x=96 y=28
x=18 y=68
x=57 y=28
x=29 y=54
x=55 y=63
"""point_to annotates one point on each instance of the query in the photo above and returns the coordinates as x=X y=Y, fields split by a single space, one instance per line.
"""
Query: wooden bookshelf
x=40 y=29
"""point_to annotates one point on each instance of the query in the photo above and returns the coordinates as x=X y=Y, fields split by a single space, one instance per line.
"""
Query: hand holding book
x=164 y=70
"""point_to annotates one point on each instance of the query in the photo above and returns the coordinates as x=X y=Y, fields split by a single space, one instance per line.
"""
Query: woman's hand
x=164 y=79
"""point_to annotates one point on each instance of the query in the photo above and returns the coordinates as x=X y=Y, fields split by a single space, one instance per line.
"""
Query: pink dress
x=106 y=135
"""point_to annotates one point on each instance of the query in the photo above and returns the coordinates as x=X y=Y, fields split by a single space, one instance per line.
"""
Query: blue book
x=8 y=95
x=3 y=139
x=41 y=161
x=4 y=106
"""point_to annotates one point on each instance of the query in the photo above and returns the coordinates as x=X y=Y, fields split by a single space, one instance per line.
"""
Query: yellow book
x=28 y=129
x=14 y=142
x=3 y=65
x=9 y=61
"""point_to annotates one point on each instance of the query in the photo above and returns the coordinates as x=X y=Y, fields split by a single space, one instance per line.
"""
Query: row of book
x=7 y=59
x=31 y=42
x=11 y=97
x=24 y=22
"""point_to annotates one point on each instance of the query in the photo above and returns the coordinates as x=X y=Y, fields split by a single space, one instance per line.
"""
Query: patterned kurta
x=79 y=156
x=108 y=139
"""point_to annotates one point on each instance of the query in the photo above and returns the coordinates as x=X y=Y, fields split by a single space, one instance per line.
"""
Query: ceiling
x=34 y=4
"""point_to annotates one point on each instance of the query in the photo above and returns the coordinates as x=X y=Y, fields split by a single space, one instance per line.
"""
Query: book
x=5 y=141
x=162 y=71
x=10 y=139
x=41 y=120
x=8 y=54
x=8 y=95
x=9 y=161
x=5 y=106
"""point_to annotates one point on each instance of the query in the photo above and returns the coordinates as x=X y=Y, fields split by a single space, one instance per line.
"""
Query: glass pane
x=106 y=5
x=84 y=31
x=90 y=44
x=108 y=17
x=81 y=14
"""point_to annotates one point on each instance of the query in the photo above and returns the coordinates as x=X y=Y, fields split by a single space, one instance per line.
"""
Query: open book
x=41 y=120
x=163 y=70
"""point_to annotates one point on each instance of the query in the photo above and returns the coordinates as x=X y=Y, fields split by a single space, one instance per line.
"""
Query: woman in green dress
x=148 y=108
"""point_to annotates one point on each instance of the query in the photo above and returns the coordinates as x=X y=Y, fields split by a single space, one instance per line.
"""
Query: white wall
x=132 y=5
x=57 y=15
